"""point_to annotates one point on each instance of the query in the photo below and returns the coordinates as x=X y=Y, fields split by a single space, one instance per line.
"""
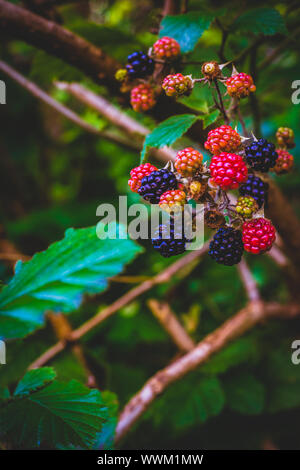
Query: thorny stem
x=222 y=107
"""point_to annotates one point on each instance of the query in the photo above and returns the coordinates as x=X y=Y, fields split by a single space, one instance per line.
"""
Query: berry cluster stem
x=221 y=107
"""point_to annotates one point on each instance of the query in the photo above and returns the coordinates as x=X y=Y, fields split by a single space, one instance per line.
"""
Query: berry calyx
x=261 y=155
x=177 y=85
x=256 y=188
x=188 y=161
x=284 y=162
x=228 y=170
x=142 y=97
x=138 y=173
x=173 y=200
x=139 y=65
x=240 y=85
x=196 y=189
x=285 y=137
x=226 y=246
x=211 y=70
x=246 y=206
x=168 y=241
x=157 y=183
x=258 y=235
x=214 y=218
x=222 y=139
x=166 y=48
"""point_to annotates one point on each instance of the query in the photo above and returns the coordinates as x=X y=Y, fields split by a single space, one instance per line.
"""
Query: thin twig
x=162 y=311
x=132 y=294
x=248 y=281
x=64 y=110
x=113 y=114
x=222 y=107
x=236 y=326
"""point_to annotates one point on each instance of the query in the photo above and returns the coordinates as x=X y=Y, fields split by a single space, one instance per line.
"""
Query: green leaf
x=267 y=21
x=191 y=401
x=57 y=279
x=46 y=68
x=4 y=394
x=56 y=414
x=168 y=131
x=187 y=29
x=105 y=439
x=210 y=118
x=35 y=379
x=284 y=396
x=245 y=394
x=240 y=351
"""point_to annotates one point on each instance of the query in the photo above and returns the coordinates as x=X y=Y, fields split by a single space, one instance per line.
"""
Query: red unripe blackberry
x=240 y=85
x=284 y=162
x=166 y=48
x=138 y=173
x=285 y=137
x=188 y=161
x=258 y=235
x=173 y=200
x=222 y=139
x=228 y=170
x=177 y=85
x=142 y=97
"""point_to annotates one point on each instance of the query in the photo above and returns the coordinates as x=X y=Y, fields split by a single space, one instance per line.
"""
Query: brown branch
x=64 y=110
x=132 y=294
x=236 y=326
x=54 y=39
x=169 y=321
x=248 y=281
x=113 y=114
x=63 y=329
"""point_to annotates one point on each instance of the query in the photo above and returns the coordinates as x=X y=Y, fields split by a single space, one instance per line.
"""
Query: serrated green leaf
x=57 y=414
x=168 y=131
x=34 y=379
x=187 y=29
x=105 y=438
x=191 y=401
x=210 y=118
x=57 y=279
x=240 y=351
x=267 y=21
x=245 y=394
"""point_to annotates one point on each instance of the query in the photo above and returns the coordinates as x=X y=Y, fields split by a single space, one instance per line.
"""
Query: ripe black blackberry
x=226 y=246
x=165 y=243
x=139 y=65
x=261 y=155
x=256 y=188
x=157 y=183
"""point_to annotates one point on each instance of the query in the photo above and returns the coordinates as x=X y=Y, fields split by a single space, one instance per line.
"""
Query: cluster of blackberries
x=233 y=166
